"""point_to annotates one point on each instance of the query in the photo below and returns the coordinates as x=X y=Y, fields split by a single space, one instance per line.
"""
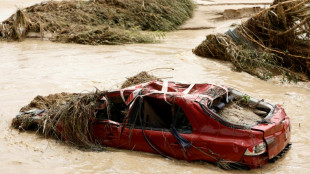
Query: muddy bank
x=232 y=2
x=219 y=15
x=99 y=21
x=240 y=13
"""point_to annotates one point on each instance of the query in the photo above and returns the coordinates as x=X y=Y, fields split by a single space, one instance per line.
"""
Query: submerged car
x=194 y=122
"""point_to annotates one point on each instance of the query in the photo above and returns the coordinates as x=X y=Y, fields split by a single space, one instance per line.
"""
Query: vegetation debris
x=68 y=116
x=241 y=115
x=274 y=41
x=142 y=77
x=98 y=21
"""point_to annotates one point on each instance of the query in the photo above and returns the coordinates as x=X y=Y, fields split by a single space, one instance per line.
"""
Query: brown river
x=37 y=67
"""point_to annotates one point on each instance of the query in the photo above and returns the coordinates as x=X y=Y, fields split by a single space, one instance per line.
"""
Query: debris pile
x=142 y=77
x=274 y=41
x=240 y=114
x=68 y=116
x=98 y=21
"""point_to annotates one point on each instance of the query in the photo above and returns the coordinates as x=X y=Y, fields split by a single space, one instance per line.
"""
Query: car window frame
x=138 y=126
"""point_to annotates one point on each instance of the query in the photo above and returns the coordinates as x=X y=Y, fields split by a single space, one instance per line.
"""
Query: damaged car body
x=192 y=122
x=184 y=121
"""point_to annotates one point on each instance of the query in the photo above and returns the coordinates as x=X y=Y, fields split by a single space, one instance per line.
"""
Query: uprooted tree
x=98 y=21
x=274 y=41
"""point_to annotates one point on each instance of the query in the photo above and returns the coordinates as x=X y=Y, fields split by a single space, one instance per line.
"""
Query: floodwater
x=36 y=67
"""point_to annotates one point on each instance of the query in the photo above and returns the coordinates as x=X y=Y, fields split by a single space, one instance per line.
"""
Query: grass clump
x=98 y=21
x=142 y=77
x=274 y=41
x=66 y=116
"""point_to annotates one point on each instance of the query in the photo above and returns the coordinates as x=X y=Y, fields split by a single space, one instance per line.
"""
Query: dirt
x=218 y=15
x=240 y=13
x=241 y=115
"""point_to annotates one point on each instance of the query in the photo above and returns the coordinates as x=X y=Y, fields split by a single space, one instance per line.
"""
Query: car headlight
x=256 y=149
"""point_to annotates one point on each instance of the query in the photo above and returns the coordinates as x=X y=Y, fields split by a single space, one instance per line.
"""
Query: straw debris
x=66 y=116
x=142 y=77
x=98 y=21
x=241 y=115
x=274 y=41
x=40 y=102
x=69 y=116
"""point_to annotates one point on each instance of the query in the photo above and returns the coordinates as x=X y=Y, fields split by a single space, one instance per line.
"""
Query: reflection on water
x=37 y=67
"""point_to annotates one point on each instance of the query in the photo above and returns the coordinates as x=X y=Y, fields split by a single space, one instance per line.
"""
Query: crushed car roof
x=194 y=91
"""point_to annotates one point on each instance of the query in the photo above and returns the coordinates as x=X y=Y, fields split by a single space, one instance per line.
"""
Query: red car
x=194 y=122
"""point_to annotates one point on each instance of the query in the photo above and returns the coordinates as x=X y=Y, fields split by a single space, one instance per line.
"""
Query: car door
x=149 y=128
x=106 y=132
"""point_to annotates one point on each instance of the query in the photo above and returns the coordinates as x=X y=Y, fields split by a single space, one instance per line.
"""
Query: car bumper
x=258 y=161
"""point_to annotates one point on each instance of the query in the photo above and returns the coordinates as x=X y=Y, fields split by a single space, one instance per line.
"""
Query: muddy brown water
x=40 y=67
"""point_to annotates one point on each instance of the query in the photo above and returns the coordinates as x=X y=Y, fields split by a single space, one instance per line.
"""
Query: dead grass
x=274 y=41
x=69 y=116
x=40 y=102
x=240 y=115
x=142 y=77
x=98 y=21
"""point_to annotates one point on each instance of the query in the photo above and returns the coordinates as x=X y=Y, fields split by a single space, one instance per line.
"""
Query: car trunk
x=277 y=132
x=257 y=115
x=274 y=123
